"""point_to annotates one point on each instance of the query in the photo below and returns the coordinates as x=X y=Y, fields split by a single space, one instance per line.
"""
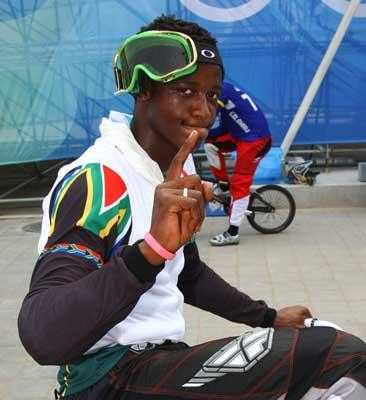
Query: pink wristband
x=157 y=247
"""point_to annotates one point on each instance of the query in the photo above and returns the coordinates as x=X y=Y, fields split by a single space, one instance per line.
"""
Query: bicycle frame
x=266 y=208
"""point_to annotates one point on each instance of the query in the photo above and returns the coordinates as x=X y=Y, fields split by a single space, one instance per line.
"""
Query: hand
x=176 y=218
x=292 y=317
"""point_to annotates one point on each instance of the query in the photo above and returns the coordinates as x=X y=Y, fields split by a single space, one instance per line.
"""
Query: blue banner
x=56 y=80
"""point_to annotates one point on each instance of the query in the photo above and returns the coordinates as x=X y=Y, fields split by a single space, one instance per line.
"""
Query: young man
x=240 y=126
x=117 y=258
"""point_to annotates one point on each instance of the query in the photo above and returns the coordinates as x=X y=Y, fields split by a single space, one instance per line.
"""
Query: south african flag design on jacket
x=92 y=197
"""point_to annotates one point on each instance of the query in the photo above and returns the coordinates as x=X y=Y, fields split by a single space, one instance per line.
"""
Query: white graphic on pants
x=240 y=355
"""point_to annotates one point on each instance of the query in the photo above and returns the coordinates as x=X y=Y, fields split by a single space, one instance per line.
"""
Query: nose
x=202 y=110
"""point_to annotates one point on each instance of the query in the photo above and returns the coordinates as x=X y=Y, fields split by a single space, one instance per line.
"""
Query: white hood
x=116 y=130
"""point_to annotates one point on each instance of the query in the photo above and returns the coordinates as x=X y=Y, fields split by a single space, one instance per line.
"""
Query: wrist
x=150 y=255
x=137 y=263
x=157 y=248
x=269 y=318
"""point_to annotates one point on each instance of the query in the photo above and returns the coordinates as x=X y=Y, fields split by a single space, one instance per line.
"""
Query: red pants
x=248 y=157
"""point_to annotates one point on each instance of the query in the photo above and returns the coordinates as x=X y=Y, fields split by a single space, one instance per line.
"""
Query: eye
x=185 y=91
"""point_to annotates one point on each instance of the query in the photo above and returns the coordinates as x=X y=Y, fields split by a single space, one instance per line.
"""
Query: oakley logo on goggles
x=162 y=55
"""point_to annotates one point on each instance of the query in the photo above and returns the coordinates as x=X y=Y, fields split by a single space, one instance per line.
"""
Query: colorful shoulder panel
x=93 y=197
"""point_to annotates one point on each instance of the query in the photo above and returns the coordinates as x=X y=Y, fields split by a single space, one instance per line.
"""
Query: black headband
x=209 y=54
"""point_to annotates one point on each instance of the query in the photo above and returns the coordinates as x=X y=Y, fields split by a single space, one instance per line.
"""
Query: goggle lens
x=159 y=55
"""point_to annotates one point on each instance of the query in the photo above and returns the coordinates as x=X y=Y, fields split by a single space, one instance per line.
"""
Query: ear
x=144 y=95
x=145 y=86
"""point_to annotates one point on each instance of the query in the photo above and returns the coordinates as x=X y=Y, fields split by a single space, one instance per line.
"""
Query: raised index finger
x=176 y=166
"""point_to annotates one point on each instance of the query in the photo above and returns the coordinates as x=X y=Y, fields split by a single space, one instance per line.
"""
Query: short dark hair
x=171 y=23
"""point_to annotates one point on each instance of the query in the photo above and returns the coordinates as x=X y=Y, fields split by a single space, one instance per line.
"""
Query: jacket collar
x=116 y=130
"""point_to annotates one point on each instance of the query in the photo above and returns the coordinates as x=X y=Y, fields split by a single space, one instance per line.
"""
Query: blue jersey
x=239 y=116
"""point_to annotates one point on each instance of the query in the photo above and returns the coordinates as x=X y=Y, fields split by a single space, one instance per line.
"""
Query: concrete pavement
x=318 y=262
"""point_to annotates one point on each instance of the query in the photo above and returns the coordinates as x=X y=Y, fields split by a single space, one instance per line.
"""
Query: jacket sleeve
x=71 y=304
x=203 y=288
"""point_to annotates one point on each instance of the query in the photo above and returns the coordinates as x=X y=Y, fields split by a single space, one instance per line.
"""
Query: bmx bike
x=271 y=208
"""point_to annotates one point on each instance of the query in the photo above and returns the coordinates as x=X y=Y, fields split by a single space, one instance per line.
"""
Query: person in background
x=240 y=126
x=118 y=259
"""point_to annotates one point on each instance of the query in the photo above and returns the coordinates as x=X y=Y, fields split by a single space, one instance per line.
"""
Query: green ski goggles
x=162 y=55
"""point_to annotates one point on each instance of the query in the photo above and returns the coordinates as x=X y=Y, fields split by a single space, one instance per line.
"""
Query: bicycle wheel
x=272 y=209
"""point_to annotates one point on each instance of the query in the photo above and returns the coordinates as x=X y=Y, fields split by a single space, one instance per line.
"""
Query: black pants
x=262 y=366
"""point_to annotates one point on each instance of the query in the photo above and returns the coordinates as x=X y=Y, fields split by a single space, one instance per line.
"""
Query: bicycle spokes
x=273 y=209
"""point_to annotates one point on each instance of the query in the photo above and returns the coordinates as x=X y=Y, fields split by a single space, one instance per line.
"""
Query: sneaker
x=224 y=239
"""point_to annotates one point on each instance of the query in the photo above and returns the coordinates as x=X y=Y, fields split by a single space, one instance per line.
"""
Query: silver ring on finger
x=185 y=192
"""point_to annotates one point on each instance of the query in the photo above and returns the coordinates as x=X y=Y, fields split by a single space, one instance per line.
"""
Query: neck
x=159 y=151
